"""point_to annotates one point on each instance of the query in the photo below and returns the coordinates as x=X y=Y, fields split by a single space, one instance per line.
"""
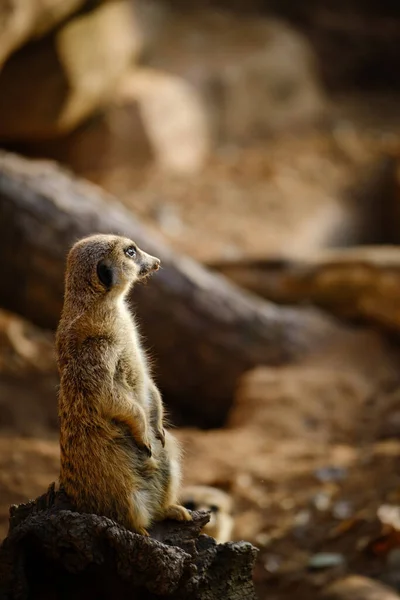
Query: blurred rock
x=152 y=117
x=313 y=397
x=355 y=587
x=52 y=85
x=315 y=392
x=257 y=76
x=21 y=20
x=28 y=378
x=173 y=118
x=330 y=473
x=326 y=560
x=390 y=427
x=24 y=348
x=342 y=510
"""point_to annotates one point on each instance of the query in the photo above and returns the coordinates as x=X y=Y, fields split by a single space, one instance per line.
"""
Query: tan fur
x=220 y=505
x=116 y=458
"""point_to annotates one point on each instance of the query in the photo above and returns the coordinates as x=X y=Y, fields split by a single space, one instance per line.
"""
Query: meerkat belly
x=102 y=473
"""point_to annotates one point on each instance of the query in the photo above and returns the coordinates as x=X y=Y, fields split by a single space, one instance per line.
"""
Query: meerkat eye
x=214 y=508
x=190 y=505
x=131 y=252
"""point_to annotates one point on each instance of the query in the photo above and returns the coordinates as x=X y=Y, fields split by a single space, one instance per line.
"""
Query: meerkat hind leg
x=177 y=513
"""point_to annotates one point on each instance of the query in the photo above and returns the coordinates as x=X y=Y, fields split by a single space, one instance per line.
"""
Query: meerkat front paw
x=177 y=512
x=147 y=449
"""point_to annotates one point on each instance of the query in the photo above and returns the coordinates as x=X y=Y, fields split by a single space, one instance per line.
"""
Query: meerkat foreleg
x=157 y=413
x=134 y=418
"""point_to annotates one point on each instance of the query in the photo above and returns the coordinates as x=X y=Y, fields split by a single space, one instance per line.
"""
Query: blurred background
x=261 y=139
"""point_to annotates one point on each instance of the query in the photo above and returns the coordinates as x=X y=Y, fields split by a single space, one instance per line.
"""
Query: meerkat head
x=217 y=502
x=107 y=264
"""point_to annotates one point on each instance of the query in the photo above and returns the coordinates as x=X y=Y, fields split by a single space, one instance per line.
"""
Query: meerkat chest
x=131 y=369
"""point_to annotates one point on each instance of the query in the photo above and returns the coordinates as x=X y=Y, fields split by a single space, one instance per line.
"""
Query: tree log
x=53 y=552
x=361 y=284
x=203 y=331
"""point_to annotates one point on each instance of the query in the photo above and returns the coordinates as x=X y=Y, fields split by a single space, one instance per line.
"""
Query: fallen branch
x=360 y=284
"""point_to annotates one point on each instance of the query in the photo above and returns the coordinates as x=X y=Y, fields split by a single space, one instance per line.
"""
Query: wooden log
x=51 y=551
x=361 y=284
x=202 y=331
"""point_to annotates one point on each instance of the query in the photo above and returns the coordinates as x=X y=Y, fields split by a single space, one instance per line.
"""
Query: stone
x=21 y=20
x=152 y=118
x=257 y=76
x=326 y=560
x=52 y=85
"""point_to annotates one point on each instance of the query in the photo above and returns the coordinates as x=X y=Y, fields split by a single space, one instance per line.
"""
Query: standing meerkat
x=116 y=458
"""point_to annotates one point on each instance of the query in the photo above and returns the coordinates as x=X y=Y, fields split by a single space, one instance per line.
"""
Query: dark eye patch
x=214 y=508
x=190 y=505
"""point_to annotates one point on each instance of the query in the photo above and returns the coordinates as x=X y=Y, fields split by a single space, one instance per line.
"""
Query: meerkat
x=218 y=503
x=116 y=458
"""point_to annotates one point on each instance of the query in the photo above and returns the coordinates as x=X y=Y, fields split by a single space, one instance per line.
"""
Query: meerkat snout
x=148 y=264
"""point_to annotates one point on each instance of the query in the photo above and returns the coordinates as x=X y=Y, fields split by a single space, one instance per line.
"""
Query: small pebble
x=393 y=559
x=389 y=514
x=263 y=539
x=342 y=510
x=326 y=560
x=272 y=563
x=322 y=501
x=330 y=473
x=302 y=518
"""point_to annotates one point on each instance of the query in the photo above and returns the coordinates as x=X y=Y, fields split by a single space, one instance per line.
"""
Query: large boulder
x=51 y=86
x=257 y=76
x=21 y=20
x=153 y=117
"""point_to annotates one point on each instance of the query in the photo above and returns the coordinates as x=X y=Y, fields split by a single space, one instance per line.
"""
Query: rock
x=342 y=510
x=315 y=393
x=28 y=378
x=361 y=284
x=330 y=473
x=326 y=560
x=257 y=76
x=390 y=427
x=52 y=85
x=355 y=587
x=173 y=117
x=21 y=20
x=152 y=117
x=313 y=396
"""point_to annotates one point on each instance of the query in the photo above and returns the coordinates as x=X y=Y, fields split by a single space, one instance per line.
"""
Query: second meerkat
x=116 y=458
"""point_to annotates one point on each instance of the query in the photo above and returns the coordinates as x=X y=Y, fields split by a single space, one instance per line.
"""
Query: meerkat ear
x=106 y=274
